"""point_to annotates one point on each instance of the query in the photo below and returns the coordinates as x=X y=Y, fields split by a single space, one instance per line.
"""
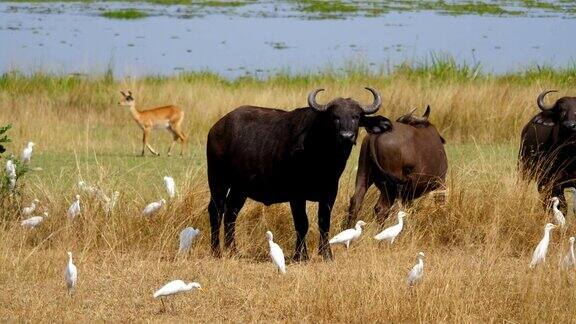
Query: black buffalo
x=275 y=156
x=548 y=147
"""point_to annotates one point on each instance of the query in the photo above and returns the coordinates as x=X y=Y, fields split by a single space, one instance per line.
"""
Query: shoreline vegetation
x=320 y=9
x=438 y=68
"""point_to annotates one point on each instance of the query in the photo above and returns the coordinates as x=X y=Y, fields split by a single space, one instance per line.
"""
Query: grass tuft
x=125 y=14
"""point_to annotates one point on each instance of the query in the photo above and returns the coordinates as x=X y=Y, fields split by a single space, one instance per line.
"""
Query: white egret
x=175 y=287
x=276 y=253
x=187 y=235
x=391 y=232
x=415 y=275
x=71 y=274
x=111 y=202
x=89 y=189
x=558 y=215
x=11 y=169
x=153 y=207
x=347 y=236
x=170 y=186
x=34 y=221
x=27 y=152
x=11 y=173
x=27 y=211
x=569 y=260
x=539 y=255
x=74 y=209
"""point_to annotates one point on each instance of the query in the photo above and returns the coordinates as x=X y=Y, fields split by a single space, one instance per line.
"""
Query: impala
x=169 y=117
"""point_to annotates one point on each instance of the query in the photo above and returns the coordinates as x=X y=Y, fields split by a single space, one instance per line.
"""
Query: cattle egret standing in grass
x=175 y=287
x=539 y=255
x=415 y=275
x=11 y=173
x=27 y=152
x=186 y=237
x=111 y=202
x=33 y=221
x=276 y=253
x=10 y=169
x=558 y=215
x=74 y=209
x=569 y=260
x=347 y=236
x=153 y=207
x=27 y=211
x=71 y=274
x=170 y=186
x=89 y=189
x=391 y=232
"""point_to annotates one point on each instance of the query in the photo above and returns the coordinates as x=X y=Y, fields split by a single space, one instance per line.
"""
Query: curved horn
x=412 y=111
x=424 y=118
x=426 y=113
x=312 y=101
x=375 y=105
x=540 y=100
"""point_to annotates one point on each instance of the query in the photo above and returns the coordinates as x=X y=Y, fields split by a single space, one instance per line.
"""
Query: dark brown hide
x=548 y=148
x=406 y=162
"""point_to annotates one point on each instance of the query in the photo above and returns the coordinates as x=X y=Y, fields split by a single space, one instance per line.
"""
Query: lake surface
x=74 y=38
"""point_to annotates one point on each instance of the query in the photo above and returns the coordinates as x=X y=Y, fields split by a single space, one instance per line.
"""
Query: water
x=73 y=38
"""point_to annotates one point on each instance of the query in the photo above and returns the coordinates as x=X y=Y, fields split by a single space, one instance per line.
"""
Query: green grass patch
x=327 y=7
x=124 y=14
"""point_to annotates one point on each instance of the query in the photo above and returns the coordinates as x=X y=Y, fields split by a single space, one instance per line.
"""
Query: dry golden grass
x=478 y=244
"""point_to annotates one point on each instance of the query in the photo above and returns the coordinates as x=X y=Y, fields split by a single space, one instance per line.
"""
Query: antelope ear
x=122 y=92
x=130 y=93
x=375 y=124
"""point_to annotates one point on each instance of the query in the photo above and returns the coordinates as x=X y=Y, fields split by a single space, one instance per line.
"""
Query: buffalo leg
x=215 y=208
x=362 y=185
x=234 y=203
x=324 y=210
x=301 y=225
x=385 y=201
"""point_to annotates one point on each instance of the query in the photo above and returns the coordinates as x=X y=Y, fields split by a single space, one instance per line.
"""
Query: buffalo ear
x=375 y=124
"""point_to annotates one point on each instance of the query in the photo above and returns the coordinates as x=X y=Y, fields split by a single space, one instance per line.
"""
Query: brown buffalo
x=406 y=162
